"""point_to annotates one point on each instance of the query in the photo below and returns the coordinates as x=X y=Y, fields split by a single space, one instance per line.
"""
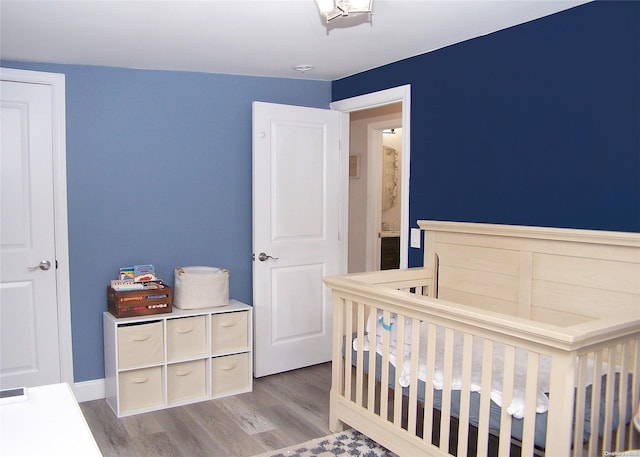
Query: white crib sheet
x=517 y=406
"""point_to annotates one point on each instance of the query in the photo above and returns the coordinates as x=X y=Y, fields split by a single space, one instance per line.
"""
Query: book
x=126 y=284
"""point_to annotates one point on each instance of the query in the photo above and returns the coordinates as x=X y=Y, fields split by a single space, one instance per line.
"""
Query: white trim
x=89 y=390
x=374 y=195
x=344 y=192
x=57 y=83
x=384 y=97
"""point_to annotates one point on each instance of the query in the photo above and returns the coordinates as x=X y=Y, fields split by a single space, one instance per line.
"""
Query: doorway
x=366 y=194
x=390 y=192
x=375 y=140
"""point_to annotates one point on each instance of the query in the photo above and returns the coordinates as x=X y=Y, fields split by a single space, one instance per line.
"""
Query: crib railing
x=402 y=419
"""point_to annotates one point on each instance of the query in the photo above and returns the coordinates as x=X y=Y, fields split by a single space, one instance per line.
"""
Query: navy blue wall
x=538 y=124
x=158 y=171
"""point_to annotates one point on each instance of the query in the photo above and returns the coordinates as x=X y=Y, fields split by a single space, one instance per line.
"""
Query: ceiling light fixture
x=303 y=67
x=332 y=9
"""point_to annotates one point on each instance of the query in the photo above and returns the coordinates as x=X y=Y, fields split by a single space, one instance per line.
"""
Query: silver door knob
x=43 y=265
x=262 y=257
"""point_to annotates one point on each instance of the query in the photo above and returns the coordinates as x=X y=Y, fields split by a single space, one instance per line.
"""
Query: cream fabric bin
x=141 y=389
x=186 y=337
x=229 y=332
x=186 y=381
x=230 y=374
x=140 y=344
x=200 y=287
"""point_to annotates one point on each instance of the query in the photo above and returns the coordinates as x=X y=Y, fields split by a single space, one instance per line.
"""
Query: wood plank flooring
x=283 y=410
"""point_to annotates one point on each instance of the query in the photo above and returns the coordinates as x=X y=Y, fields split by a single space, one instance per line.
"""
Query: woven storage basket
x=200 y=287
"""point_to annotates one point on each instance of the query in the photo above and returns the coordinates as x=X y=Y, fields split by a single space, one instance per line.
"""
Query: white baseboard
x=89 y=390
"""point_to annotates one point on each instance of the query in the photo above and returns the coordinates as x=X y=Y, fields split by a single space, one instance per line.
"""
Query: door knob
x=262 y=257
x=43 y=265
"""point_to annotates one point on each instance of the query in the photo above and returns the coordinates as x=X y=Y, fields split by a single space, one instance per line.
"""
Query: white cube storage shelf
x=158 y=361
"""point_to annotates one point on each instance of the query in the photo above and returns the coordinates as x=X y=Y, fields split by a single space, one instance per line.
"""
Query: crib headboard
x=552 y=275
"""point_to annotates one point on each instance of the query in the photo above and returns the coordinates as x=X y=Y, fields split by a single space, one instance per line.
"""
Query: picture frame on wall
x=354 y=166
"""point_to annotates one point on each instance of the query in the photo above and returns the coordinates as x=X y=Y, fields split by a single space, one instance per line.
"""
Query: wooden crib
x=510 y=341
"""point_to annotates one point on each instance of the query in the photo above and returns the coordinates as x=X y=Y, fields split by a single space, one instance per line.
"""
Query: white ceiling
x=259 y=37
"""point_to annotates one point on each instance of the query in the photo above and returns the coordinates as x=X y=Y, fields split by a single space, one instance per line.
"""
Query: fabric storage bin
x=200 y=287
x=229 y=374
x=186 y=337
x=229 y=332
x=186 y=381
x=140 y=344
x=141 y=389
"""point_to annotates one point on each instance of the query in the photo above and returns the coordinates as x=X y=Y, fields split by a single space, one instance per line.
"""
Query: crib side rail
x=399 y=422
x=414 y=280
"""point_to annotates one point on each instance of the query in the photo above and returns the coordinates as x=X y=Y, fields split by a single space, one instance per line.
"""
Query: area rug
x=348 y=443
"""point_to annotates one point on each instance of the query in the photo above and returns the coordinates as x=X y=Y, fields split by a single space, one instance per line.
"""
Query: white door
x=296 y=240
x=29 y=349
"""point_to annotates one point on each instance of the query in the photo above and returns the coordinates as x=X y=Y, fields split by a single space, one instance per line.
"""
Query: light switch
x=415 y=238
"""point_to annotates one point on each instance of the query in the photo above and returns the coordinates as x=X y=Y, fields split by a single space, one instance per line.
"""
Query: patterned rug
x=348 y=443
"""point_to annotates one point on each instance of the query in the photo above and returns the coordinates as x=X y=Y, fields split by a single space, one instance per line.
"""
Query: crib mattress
x=496 y=411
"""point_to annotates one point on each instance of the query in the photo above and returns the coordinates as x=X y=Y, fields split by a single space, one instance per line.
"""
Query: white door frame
x=384 y=97
x=57 y=83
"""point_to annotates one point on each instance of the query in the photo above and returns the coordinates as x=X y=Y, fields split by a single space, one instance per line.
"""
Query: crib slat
x=413 y=386
x=373 y=338
x=561 y=385
x=348 y=325
x=427 y=429
x=504 y=447
x=485 y=398
x=338 y=361
x=465 y=394
x=397 y=399
x=634 y=438
x=384 y=382
x=622 y=389
x=447 y=368
x=581 y=386
x=531 y=397
x=596 y=383
x=360 y=354
x=608 y=399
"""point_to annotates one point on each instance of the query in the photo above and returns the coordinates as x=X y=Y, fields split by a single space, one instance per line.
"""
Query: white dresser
x=186 y=356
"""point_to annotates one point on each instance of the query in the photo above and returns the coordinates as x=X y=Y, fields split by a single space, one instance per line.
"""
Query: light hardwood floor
x=283 y=410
